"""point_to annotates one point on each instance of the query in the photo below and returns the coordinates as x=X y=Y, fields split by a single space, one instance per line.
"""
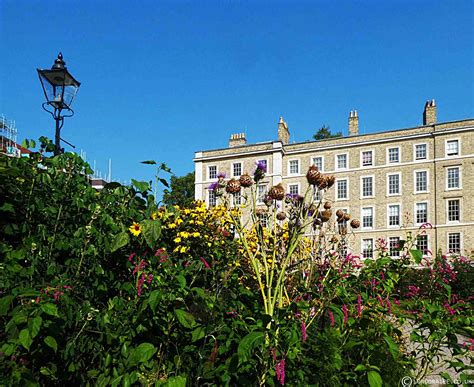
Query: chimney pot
x=237 y=139
x=283 y=132
x=429 y=113
x=353 y=123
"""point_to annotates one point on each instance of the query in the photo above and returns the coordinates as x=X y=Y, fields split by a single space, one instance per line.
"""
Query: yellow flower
x=154 y=215
x=177 y=240
x=196 y=234
x=179 y=221
x=183 y=249
x=135 y=229
x=172 y=225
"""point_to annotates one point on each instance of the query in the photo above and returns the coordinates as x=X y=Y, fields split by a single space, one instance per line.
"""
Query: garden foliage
x=108 y=288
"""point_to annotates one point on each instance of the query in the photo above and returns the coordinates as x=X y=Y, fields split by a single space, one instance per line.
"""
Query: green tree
x=325 y=132
x=182 y=191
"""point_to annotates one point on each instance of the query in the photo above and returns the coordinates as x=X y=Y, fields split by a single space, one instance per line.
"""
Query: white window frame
x=461 y=240
x=336 y=164
x=210 y=193
x=458 y=167
x=362 y=187
x=427 y=181
x=362 y=158
x=347 y=188
x=399 y=155
x=289 y=167
x=399 y=215
x=232 y=168
x=311 y=162
x=293 y=184
x=390 y=247
x=446 y=147
x=447 y=211
x=362 y=218
x=415 y=220
x=362 y=247
x=238 y=196
x=209 y=172
x=399 y=183
x=414 y=151
x=425 y=254
x=258 y=194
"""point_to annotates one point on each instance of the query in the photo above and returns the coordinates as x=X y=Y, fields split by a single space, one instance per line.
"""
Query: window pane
x=367 y=186
x=393 y=155
x=293 y=188
x=422 y=243
x=394 y=244
x=367 y=217
x=454 y=242
x=341 y=161
x=342 y=189
x=366 y=158
x=213 y=172
x=453 y=177
x=453 y=210
x=367 y=248
x=421 y=183
x=421 y=213
x=294 y=167
x=452 y=147
x=420 y=152
x=212 y=199
x=237 y=169
x=318 y=162
x=394 y=215
x=393 y=184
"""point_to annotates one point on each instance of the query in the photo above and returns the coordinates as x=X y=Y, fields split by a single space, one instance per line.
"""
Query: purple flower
x=331 y=318
x=221 y=175
x=205 y=263
x=280 y=371
x=213 y=186
x=345 y=312
x=262 y=165
x=359 y=306
x=304 y=336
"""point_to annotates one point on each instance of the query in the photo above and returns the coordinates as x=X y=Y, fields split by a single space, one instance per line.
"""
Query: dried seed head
x=246 y=180
x=355 y=223
x=277 y=192
x=233 y=186
x=313 y=175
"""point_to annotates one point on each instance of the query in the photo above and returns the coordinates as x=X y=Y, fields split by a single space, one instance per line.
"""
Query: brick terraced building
x=392 y=181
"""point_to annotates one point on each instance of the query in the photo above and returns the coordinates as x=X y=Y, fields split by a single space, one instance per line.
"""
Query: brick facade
x=429 y=167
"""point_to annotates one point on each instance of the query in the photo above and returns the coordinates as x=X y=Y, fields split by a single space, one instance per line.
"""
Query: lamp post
x=59 y=88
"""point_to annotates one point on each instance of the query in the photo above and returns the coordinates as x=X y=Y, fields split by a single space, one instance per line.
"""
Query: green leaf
x=51 y=342
x=360 y=367
x=5 y=303
x=176 y=381
x=151 y=162
x=197 y=334
x=119 y=241
x=154 y=298
x=374 y=378
x=185 y=319
x=181 y=280
x=142 y=353
x=248 y=343
x=417 y=255
x=165 y=168
x=142 y=186
x=151 y=230
x=34 y=326
x=25 y=339
x=392 y=346
x=7 y=207
x=50 y=309
x=164 y=182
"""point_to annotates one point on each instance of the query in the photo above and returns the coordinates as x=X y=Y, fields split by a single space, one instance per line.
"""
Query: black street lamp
x=59 y=88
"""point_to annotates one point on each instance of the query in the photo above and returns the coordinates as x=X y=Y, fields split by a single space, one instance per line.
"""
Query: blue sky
x=161 y=80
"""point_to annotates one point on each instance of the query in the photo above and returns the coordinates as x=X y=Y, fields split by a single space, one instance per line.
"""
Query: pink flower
x=130 y=257
x=380 y=300
x=389 y=306
x=359 y=305
x=345 y=312
x=304 y=336
x=280 y=371
x=205 y=263
x=150 y=278
x=331 y=318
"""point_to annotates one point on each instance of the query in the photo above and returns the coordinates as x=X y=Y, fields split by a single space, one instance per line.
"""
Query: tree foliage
x=325 y=132
x=181 y=192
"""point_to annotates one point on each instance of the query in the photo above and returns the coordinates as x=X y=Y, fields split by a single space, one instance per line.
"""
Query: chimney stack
x=429 y=114
x=237 y=139
x=353 y=123
x=283 y=132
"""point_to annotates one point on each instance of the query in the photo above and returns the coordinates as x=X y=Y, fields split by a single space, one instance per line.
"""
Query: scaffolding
x=8 y=133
